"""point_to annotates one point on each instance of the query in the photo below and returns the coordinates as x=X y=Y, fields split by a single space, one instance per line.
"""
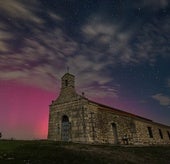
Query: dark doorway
x=114 y=130
x=65 y=131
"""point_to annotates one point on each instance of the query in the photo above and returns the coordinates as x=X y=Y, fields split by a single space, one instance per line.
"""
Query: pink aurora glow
x=24 y=111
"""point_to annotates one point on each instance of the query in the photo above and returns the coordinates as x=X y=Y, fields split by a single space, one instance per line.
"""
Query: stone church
x=73 y=117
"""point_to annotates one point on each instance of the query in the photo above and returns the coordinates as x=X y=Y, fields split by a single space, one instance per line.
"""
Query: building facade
x=73 y=117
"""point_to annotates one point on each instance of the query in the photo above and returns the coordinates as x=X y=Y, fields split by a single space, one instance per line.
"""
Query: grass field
x=47 y=152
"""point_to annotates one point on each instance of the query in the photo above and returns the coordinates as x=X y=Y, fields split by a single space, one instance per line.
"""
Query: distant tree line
x=0 y=135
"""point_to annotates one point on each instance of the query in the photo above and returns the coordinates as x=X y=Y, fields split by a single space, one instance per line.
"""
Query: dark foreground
x=39 y=152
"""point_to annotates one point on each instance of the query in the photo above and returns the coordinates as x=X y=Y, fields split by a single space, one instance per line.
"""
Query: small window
x=168 y=134
x=150 y=132
x=160 y=133
x=66 y=83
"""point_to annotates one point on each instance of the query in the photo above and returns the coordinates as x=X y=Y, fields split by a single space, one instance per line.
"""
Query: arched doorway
x=114 y=130
x=65 y=130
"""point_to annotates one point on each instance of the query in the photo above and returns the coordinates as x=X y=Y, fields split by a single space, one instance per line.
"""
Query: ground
x=39 y=152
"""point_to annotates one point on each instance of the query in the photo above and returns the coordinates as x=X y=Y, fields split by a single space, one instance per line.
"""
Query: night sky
x=119 y=51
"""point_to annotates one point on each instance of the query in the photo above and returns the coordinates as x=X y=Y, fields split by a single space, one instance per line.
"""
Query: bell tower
x=67 y=91
x=67 y=81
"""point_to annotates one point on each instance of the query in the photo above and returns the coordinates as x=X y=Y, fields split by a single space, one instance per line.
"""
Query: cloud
x=163 y=99
x=4 y=37
x=3 y=46
x=118 y=43
x=43 y=76
x=43 y=59
x=40 y=76
x=153 y=41
x=101 y=31
x=109 y=39
x=5 y=75
x=21 y=9
x=55 y=17
x=16 y=16
x=39 y=60
x=151 y=4
x=169 y=83
x=45 y=52
x=100 y=91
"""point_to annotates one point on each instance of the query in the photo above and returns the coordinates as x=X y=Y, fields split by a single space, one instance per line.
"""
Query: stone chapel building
x=73 y=117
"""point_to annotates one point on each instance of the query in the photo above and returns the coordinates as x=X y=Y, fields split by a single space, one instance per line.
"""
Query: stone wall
x=77 y=117
x=103 y=122
x=143 y=136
